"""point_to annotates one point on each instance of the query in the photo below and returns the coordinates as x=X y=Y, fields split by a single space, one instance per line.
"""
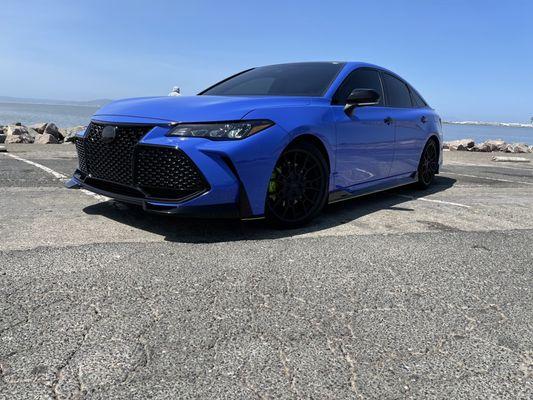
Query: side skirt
x=371 y=187
x=362 y=189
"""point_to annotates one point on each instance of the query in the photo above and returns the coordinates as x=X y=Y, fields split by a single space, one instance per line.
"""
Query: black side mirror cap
x=361 y=98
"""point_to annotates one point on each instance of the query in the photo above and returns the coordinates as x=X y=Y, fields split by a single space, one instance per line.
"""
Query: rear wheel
x=298 y=187
x=428 y=166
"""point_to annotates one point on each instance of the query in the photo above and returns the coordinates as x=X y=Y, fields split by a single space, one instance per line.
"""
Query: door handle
x=388 y=120
x=423 y=119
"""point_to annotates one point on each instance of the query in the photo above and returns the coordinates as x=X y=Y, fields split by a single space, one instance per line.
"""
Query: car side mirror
x=361 y=98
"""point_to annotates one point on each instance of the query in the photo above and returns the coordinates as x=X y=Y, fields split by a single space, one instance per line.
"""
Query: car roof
x=346 y=64
x=347 y=67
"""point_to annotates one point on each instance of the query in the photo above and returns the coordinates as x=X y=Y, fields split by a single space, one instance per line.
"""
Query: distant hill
x=94 y=103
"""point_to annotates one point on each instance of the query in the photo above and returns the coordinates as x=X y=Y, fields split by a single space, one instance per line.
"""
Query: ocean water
x=62 y=115
x=71 y=115
x=481 y=133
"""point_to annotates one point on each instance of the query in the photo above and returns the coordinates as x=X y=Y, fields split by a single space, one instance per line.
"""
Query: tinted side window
x=296 y=79
x=397 y=92
x=418 y=101
x=358 y=79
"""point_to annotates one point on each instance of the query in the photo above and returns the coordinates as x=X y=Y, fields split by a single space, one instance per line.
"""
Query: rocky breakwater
x=41 y=133
x=487 y=146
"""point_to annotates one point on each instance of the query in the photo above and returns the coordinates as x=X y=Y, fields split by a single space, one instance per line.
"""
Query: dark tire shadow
x=193 y=230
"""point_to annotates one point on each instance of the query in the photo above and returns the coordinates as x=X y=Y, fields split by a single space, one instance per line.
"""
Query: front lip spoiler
x=73 y=183
x=160 y=207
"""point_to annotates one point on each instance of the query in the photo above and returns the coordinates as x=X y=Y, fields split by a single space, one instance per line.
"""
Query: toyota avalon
x=278 y=142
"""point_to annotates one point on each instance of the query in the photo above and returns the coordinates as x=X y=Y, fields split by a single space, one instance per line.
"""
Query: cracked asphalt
x=403 y=294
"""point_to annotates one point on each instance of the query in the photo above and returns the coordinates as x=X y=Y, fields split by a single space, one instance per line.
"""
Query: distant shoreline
x=54 y=102
x=480 y=123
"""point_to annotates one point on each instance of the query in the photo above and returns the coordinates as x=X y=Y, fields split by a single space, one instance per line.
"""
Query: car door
x=365 y=137
x=409 y=121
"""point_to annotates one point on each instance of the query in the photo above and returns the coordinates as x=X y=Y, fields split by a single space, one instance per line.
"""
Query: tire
x=298 y=187
x=428 y=165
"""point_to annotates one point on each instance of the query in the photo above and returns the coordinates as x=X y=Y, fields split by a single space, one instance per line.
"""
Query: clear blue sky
x=471 y=59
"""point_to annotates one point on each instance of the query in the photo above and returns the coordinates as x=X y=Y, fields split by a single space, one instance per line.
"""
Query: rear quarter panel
x=411 y=135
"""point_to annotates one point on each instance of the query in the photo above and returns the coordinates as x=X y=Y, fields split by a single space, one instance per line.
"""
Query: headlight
x=221 y=130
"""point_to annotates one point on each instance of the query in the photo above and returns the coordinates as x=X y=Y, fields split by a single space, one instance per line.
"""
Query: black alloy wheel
x=429 y=164
x=298 y=187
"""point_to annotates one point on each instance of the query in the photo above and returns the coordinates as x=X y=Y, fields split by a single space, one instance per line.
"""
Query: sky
x=470 y=59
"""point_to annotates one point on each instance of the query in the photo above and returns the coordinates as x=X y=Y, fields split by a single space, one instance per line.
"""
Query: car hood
x=196 y=108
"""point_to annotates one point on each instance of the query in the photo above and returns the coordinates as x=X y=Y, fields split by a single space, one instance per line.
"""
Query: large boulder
x=46 y=138
x=12 y=139
x=508 y=148
x=461 y=145
x=18 y=134
x=517 y=148
x=496 y=145
x=39 y=127
x=490 y=146
x=69 y=134
x=521 y=148
x=482 y=147
x=52 y=129
x=33 y=133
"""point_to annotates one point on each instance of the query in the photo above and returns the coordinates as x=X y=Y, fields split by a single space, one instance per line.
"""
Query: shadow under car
x=196 y=230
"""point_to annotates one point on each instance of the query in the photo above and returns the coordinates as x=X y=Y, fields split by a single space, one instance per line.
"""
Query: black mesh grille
x=160 y=172
x=112 y=161
x=166 y=172
x=80 y=148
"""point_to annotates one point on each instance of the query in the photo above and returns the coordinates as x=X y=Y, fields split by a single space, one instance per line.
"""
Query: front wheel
x=298 y=187
x=428 y=166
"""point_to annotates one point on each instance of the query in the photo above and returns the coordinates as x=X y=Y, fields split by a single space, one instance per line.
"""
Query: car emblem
x=108 y=134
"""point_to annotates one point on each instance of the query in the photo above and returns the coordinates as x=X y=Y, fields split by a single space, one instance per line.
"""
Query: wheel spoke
x=299 y=179
x=311 y=169
x=309 y=199
x=428 y=163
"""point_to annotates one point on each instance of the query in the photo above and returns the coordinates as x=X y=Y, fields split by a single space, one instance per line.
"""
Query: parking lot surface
x=402 y=294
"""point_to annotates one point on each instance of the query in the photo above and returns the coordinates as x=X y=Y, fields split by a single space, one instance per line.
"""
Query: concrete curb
x=510 y=159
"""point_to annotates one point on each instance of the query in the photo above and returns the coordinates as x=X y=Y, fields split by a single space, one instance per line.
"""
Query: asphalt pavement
x=402 y=294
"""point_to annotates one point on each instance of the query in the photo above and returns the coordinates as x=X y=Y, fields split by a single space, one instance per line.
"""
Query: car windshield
x=298 y=79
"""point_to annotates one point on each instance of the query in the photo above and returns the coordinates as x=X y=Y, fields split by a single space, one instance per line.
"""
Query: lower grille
x=166 y=172
x=82 y=160
x=123 y=166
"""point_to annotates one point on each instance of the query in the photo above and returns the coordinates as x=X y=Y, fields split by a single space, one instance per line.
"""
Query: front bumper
x=231 y=210
x=237 y=173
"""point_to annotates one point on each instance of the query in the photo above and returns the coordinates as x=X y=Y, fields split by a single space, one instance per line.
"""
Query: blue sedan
x=278 y=142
